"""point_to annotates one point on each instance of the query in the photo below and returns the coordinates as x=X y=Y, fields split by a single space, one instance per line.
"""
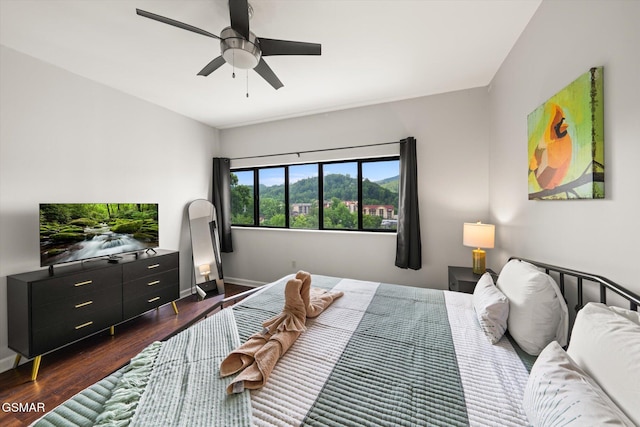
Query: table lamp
x=205 y=269
x=478 y=235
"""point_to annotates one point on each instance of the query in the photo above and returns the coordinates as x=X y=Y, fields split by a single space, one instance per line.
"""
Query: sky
x=374 y=171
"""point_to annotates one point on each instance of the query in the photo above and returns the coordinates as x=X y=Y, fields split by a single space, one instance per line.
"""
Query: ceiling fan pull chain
x=247 y=83
x=233 y=64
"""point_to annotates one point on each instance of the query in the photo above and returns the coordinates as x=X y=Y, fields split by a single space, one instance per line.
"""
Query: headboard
x=604 y=283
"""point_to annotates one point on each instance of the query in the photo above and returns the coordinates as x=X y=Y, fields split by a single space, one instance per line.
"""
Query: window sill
x=306 y=230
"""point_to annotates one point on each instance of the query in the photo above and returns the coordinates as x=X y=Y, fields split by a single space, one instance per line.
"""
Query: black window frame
x=254 y=171
x=256 y=194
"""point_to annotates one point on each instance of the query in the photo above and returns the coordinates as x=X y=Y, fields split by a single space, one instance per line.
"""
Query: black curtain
x=409 y=245
x=222 y=200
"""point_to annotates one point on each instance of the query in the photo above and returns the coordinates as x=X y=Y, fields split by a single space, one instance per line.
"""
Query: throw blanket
x=385 y=355
x=184 y=388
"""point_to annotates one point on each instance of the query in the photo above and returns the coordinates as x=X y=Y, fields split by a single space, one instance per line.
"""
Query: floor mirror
x=205 y=244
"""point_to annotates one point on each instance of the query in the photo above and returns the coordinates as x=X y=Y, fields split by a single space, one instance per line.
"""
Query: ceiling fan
x=240 y=47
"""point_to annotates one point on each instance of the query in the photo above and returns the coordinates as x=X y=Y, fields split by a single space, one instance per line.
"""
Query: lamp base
x=479 y=261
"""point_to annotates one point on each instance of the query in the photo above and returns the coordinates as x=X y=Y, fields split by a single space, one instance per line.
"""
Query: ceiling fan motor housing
x=237 y=51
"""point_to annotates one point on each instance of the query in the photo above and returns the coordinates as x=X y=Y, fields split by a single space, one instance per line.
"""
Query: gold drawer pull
x=84 y=324
x=154 y=299
x=153 y=266
x=155 y=282
x=86 y=282
x=84 y=304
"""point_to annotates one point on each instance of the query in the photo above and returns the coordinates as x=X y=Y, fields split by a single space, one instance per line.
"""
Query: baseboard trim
x=7 y=362
x=186 y=292
x=231 y=280
x=244 y=282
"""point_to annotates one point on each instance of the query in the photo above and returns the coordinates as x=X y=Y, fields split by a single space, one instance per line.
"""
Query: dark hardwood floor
x=71 y=369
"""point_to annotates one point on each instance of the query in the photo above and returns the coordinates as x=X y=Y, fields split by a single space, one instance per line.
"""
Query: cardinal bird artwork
x=552 y=156
x=565 y=140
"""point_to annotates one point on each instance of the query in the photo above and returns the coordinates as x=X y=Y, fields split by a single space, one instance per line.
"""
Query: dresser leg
x=175 y=307
x=36 y=367
x=112 y=330
x=16 y=361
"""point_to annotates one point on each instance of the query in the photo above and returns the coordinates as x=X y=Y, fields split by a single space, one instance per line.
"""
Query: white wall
x=452 y=145
x=563 y=40
x=66 y=139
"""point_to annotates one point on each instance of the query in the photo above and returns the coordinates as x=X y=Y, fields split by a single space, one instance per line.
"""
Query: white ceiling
x=373 y=51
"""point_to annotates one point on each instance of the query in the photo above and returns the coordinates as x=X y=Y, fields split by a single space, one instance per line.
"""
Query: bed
x=382 y=354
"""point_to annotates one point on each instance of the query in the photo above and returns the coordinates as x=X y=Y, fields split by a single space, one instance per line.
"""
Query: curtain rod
x=316 y=151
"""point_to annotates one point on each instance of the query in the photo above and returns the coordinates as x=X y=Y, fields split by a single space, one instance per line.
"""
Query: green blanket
x=383 y=355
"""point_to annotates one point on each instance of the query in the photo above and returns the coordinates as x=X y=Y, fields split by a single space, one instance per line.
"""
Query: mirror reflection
x=207 y=266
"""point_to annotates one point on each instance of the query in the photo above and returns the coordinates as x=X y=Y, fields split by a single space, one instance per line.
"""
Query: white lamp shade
x=204 y=269
x=478 y=235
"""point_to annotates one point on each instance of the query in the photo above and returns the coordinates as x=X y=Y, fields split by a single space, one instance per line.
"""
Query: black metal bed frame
x=604 y=283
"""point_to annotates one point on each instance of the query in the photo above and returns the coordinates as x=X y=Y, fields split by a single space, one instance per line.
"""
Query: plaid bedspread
x=382 y=355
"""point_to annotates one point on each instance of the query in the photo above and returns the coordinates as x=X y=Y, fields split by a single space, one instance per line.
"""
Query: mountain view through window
x=355 y=195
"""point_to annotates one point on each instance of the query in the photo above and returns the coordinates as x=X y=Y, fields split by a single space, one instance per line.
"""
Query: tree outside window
x=242 y=198
x=352 y=195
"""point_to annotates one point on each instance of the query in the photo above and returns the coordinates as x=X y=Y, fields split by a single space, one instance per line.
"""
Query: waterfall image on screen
x=78 y=231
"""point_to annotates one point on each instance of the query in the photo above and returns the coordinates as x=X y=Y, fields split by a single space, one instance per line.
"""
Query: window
x=347 y=195
x=380 y=194
x=272 y=197
x=303 y=196
x=340 y=195
x=242 y=184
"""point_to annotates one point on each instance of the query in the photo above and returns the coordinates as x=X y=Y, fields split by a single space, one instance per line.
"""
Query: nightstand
x=462 y=279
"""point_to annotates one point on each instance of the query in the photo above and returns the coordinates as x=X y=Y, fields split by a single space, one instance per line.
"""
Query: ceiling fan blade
x=212 y=66
x=270 y=47
x=239 y=12
x=267 y=73
x=175 y=23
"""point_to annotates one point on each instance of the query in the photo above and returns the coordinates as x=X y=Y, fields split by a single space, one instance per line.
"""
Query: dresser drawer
x=57 y=334
x=72 y=309
x=149 y=266
x=149 y=300
x=135 y=288
x=74 y=286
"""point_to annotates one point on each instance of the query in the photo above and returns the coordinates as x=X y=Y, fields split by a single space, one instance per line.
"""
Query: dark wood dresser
x=46 y=312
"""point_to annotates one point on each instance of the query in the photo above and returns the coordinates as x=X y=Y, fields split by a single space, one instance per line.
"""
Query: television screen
x=78 y=231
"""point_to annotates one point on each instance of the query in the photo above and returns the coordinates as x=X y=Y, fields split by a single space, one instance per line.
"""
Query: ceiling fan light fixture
x=237 y=51
x=239 y=46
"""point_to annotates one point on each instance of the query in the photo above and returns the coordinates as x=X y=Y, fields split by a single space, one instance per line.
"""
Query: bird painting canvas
x=566 y=144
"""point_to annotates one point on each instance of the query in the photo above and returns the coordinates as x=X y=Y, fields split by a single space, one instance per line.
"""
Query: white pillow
x=492 y=308
x=634 y=316
x=558 y=393
x=606 y=345
x=537 y=311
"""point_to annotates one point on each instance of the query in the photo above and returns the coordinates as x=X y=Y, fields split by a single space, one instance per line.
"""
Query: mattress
x=381 y=355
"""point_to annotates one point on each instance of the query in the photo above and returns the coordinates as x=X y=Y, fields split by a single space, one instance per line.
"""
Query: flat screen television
x=79 y=231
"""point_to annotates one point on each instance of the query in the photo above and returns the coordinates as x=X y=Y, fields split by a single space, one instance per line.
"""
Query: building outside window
x=293 y=196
